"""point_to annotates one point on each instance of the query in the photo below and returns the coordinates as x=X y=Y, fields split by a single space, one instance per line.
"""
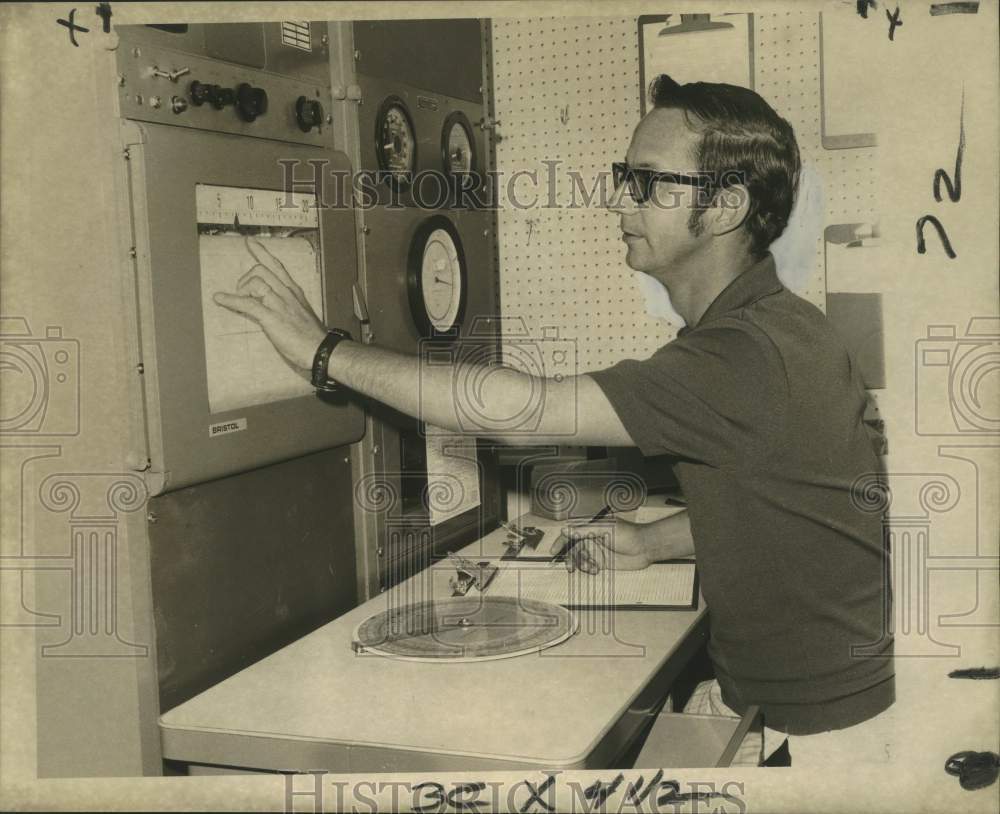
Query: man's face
x=656 y=232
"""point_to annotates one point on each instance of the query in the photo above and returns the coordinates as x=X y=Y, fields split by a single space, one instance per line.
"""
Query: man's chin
x=656 y=298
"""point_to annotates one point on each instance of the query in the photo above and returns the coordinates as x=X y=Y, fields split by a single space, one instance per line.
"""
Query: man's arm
x=496 y=402
x=628 y=546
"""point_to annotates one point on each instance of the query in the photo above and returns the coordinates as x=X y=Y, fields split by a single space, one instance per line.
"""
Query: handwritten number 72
x=953 y=186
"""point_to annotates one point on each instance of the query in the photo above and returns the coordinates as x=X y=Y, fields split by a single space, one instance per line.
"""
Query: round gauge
x=470 y=628
x=436 y=278
x=458 y=147
x=395 y=142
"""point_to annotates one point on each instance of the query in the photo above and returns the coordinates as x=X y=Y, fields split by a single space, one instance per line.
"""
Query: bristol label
x=226 y=427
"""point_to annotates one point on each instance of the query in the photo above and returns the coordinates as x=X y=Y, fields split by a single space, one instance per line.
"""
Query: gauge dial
x=437 y=278
x=395 y=142
x=458 y=150
x=441 y=280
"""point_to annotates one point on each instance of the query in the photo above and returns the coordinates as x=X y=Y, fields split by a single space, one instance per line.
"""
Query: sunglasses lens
x=637 y=180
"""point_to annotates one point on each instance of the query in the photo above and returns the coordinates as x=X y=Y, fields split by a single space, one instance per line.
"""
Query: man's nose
x=621 y=200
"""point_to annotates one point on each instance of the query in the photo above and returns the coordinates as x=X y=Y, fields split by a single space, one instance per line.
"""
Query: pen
x=568 y=544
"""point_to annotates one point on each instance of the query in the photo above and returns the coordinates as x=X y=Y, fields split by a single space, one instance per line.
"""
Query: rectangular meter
x=206 y=208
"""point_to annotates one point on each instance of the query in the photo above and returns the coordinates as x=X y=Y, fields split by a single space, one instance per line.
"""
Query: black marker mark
x=921 y=248
x=937 y=9
x=635 y=795
x=458 y=803
x=976 y=672
x=974 y=770
x=940 y=176
x=894 y=21
x=863 y=5
x=674 y=796
x=73 y=28
x=536 y=794
x=599 y=791
x=103 y=11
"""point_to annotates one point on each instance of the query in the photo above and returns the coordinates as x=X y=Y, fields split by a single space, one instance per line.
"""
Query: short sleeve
x=714 y=395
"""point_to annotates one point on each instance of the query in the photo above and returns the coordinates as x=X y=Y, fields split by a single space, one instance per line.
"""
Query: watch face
x=441 y=280
x=395 y=143
x=436 y=279
x=457 y=145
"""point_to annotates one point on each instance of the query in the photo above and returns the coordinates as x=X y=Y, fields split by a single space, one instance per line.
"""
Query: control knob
x=308 y=113
x=200 y=92
x=217 y=96
x=251 y=102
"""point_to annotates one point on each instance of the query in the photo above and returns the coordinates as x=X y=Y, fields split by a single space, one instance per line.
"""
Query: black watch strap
x=320 y=380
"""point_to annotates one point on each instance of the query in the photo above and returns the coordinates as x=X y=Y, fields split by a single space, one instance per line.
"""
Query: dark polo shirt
x=760 y=407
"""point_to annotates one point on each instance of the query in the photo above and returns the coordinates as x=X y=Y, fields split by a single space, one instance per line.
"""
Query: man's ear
x=729 y=209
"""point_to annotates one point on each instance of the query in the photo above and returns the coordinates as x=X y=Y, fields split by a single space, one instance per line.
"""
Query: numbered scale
x=437 y=278
x=462 y=629
x=255 y=207
x=395 y=141
x=458 y=147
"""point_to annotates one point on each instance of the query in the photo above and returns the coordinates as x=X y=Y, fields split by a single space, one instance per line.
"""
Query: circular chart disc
x=466 y=628
x=441 y=280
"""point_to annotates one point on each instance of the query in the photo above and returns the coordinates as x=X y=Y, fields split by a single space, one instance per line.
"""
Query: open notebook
x=671 y=584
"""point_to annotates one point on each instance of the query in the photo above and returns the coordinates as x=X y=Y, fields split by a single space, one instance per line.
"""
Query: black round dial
x=308 y=113
x=251 y=102
x=200 y=92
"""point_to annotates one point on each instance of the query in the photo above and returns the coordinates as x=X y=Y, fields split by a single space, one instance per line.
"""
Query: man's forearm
x=461 y=397
x=669 y=538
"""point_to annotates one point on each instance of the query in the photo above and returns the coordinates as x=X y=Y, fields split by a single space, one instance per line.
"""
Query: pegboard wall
x=567 y=91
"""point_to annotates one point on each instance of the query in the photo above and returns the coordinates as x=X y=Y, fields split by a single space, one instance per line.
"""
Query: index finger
x=566 y=536
x=263 y=256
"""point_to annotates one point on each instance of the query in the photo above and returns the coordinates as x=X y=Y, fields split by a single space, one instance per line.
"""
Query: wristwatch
x=320 y=380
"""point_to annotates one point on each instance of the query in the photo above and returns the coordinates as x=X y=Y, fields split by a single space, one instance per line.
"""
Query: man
x=757 y=401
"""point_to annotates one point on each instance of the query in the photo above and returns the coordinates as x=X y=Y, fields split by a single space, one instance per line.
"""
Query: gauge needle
x=445 y=282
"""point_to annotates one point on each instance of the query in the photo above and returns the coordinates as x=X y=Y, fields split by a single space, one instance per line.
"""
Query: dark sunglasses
x=640 y=181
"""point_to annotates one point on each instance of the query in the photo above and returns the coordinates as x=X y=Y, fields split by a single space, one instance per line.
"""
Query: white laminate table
x=316 y=705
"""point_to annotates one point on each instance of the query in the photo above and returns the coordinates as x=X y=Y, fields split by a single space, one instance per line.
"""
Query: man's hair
x=741 y=137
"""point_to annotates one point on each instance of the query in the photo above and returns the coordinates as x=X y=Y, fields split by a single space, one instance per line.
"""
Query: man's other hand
x=624 y=547
x=269 y=296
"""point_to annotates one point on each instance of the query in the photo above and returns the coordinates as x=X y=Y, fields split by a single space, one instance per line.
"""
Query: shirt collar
x=758 y=281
